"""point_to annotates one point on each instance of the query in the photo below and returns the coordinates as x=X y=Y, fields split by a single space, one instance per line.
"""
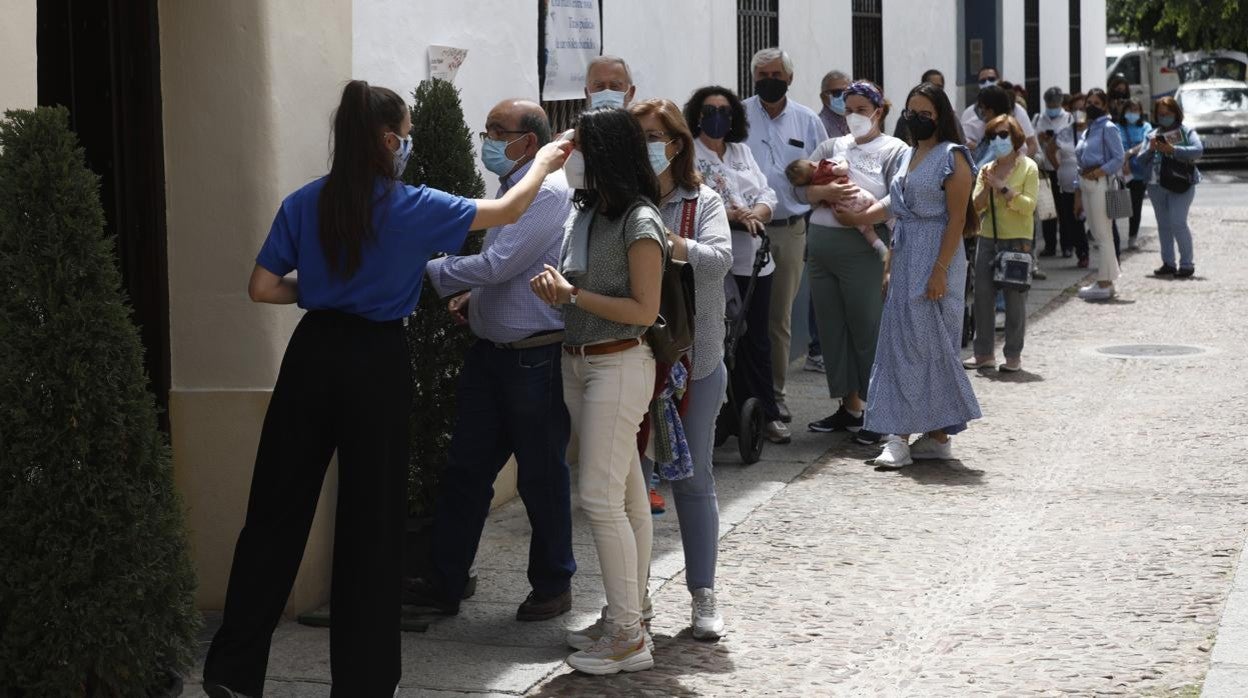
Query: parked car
x=1218 y=110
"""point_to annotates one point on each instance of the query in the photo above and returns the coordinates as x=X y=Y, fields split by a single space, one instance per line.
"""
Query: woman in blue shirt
x=1177 y=147
x=359 y=240
x=1134 y=127
x=1100 y=157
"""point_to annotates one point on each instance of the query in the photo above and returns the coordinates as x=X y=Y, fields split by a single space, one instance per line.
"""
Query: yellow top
x=1013 y=217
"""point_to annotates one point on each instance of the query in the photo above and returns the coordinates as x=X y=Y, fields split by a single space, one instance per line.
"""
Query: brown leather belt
x=600 y=349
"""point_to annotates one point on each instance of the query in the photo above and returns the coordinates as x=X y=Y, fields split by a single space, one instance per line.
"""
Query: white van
x=1154 y=73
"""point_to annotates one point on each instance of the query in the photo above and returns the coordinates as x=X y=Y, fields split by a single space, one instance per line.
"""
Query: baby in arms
x=803 y=173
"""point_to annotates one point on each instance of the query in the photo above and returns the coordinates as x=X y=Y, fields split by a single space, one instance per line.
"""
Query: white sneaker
x=998 y=321
x=927 y=448
x=1095 y=292
x=814 y=364
x=777 y=433
x=896 y=454
x=584 y=639
x=617 y=650
x=707 y=622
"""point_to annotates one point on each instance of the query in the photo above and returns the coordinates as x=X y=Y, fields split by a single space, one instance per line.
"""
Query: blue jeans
x=510 y=402
x=697 y=506
x=1171 y=210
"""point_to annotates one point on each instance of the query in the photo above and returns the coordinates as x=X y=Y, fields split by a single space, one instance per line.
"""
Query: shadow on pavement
x=1023 y=376
x=682 y=655
x=951 y=473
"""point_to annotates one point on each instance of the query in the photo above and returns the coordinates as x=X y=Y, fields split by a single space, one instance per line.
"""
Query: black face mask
x=920 y=127
x=1093 y=112
x=771 y=90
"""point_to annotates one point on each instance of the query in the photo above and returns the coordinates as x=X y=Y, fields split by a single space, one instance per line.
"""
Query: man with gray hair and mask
x=608 y=83
x=781 y=131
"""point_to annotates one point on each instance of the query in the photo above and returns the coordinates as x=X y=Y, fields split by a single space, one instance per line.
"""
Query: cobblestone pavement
x=1083 y=543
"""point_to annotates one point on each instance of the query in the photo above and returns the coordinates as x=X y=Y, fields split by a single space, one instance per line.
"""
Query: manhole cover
x=1150 y=351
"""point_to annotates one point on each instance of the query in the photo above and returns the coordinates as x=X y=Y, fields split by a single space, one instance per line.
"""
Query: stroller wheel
x=750 y=434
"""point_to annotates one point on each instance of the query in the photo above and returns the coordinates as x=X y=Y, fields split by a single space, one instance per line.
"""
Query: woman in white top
x=846 y=274
x=717 y=118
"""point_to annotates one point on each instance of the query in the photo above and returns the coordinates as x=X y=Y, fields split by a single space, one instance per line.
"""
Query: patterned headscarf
x=862 y=88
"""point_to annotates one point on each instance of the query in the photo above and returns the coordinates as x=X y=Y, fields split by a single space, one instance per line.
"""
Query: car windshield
x=1213 y=99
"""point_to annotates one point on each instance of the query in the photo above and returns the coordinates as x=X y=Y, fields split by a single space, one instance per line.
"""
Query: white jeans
x=1101 y=226
x=607 y=396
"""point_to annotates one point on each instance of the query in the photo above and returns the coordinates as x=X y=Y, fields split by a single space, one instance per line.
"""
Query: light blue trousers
x=1172 y=228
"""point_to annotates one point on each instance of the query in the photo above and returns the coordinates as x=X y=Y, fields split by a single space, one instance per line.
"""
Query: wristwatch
x=572 y=295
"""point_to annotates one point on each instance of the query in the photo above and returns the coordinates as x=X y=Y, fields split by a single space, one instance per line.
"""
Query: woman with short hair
x=1169 y=158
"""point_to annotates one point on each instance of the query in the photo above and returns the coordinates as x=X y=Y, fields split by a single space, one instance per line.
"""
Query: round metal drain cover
x=1150 y=351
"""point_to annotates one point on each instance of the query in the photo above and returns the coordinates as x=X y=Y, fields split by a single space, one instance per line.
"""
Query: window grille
x=758 y=27
x=1031 y=51
x=1076 y=48
x=868 y=28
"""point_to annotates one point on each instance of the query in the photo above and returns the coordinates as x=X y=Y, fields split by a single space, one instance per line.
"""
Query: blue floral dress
x=918 y=383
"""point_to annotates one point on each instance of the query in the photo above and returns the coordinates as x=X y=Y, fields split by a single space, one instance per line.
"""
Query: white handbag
x=1046 y=207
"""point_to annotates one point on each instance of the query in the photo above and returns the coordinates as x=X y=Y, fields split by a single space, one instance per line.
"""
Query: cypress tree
x=442 y=158
x=96 y=587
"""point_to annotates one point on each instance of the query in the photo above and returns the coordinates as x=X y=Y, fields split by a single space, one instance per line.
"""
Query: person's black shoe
x=1048 y=253
x=421 y=595
x=1185 y=273
x=841 y=420
x=866 y=437
x=1165 y=270
x=785 y=415
x=1067 y=254
x=537 y=608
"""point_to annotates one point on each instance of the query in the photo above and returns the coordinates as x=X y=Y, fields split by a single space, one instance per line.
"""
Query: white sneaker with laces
x=777 y=433
x=927 y=448
x=584 y=639
x=896 y=454
x=619 y=649
x=707 y=622
x=814 y=364
x=1096 y=292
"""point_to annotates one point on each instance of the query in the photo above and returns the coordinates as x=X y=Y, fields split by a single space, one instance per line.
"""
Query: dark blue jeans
x=510 y=401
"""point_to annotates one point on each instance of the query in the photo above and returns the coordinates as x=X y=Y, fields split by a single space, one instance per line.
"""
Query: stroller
x=745 y=420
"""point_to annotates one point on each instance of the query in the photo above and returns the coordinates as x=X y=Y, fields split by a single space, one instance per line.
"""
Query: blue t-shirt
x=410 y=225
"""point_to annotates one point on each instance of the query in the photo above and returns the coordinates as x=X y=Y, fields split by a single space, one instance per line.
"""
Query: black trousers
x=751 y=375
x=1073 y=236
x=344 y=385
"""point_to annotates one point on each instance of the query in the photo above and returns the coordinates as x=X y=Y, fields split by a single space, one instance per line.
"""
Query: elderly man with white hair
x=781 y=131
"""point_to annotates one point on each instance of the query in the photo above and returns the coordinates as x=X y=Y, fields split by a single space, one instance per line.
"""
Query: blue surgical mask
x=837 y=104
x=494 y=156
x=607 y=98
x=401 y=155
x=1132 y=118
x=1002 y=147
x=658 y=156
x=1166 y=121
x=1053 y=113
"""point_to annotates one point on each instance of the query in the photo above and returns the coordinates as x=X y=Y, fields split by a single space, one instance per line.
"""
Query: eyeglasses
x=833 y=93
x=1003 y=135
x=910 y=114
x=488 y=135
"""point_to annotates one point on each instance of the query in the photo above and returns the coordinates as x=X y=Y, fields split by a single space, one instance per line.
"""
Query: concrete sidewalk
x=807 y=550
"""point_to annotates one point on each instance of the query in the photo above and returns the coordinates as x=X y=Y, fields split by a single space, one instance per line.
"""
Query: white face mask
x=607 y=98
x=859 y=125
x=574 y=170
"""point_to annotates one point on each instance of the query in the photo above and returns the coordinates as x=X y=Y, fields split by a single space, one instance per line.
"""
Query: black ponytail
x=360 y=157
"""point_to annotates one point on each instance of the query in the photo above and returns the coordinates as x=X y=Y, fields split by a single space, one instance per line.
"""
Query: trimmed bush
x=442 y=158
x=96 y=587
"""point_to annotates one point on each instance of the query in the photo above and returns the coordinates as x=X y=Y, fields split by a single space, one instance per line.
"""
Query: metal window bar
x=1076 y=47
x=868 y=36
x=758 y=27
x=1031 y=53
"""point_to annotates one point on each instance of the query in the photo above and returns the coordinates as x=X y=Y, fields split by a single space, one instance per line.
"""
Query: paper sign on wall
x=573 y=39
x=444 y=61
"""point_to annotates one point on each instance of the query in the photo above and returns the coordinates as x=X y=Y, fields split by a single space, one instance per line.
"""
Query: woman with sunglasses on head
x=1100 y=156
x=697 y=229
x=717 y=119
x=1005 y=195
x=846 y=272
x=359 y=240
x=918 y=384
x=608 y=284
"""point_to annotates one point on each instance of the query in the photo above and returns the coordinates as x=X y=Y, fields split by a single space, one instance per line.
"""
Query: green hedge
x=96 y=587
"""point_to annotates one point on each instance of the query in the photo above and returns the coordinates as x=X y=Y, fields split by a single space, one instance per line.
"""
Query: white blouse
x=739 y=181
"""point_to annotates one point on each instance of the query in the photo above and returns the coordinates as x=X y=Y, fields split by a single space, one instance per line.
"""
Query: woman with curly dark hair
x=608 y=286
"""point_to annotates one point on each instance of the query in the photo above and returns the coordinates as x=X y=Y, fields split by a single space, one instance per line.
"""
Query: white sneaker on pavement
x=585 y=638
x=927 y=448
x=619 y=649
x=814 y=364
x=707 y=622
x=777 y=433
x=1095 y=292
x=896 y=454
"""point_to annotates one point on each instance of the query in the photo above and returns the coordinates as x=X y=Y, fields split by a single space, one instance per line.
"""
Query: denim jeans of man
x=1172 y=228
x=510 y=401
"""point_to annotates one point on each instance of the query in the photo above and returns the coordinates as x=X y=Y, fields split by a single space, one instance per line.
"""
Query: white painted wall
x=918 y=36
x=819 y=37
x=1054 y=46
x=1013 y=64
x=19 y=75
x=1093 y=55
x=693 y=44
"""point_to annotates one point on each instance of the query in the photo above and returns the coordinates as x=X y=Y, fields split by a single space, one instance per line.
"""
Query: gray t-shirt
x=607 y=273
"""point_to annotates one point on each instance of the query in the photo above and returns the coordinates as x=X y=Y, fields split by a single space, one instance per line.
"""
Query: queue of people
x=565 y=291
